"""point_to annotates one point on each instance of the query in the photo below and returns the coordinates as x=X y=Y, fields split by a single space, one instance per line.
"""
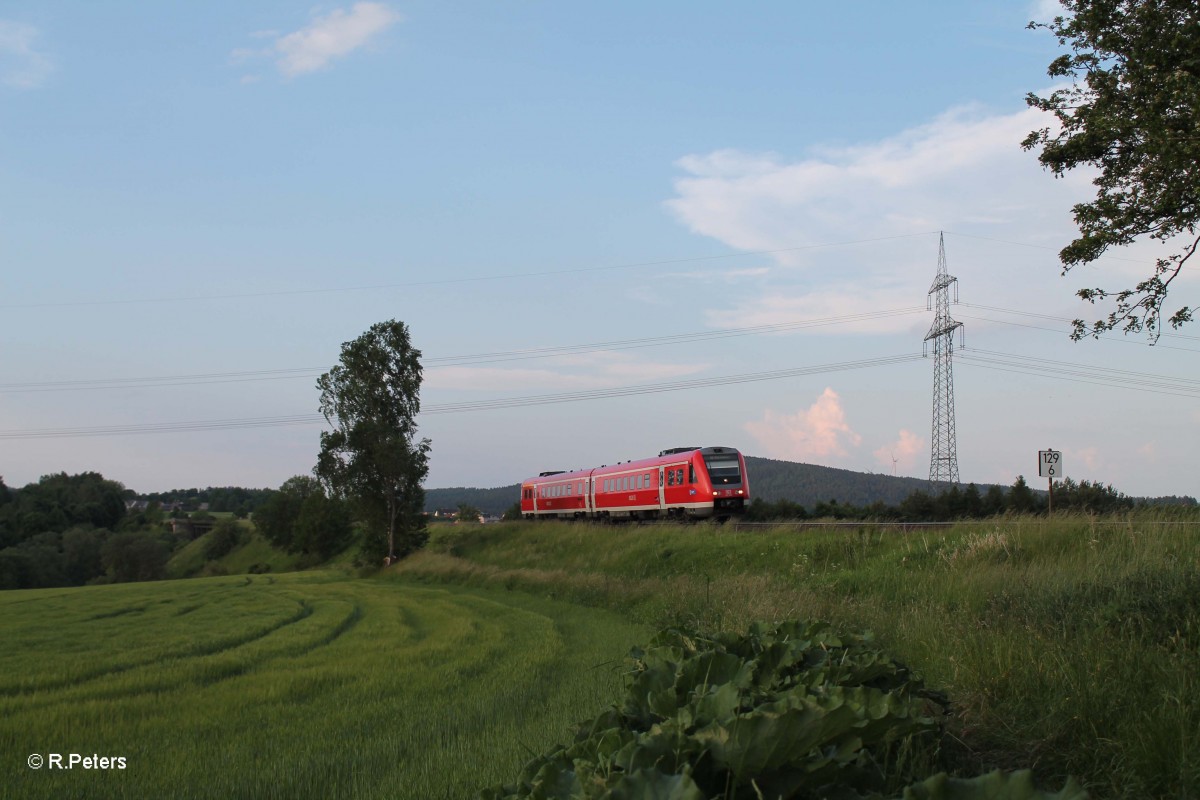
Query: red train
x=682 y=483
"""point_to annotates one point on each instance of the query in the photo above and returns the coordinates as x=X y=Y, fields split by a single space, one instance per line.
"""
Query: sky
x=643 y=225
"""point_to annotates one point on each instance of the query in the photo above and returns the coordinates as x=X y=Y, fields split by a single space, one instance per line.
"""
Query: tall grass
x=1071 y=646
x=294 y=686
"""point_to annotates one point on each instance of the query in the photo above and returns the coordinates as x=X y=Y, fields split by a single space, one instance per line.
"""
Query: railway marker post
x=1050 y=467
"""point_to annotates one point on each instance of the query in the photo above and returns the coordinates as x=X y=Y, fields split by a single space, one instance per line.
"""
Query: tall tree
x=373 y=455
x=1136 y=118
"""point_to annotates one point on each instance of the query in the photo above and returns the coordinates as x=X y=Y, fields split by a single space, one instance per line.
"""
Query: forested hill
x=809 y=484
x=489 y=501
x=806 y=484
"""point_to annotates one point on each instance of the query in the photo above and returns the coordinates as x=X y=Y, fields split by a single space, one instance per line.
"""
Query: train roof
x=621 y=466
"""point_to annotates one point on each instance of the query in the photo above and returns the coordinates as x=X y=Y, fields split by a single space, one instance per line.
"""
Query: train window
x=691 y=473
x=670 y=477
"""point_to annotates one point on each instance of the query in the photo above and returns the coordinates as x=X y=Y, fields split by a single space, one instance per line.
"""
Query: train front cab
x=724 y=469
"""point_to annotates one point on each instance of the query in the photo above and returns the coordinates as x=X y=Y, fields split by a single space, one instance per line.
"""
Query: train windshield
x=723 y=468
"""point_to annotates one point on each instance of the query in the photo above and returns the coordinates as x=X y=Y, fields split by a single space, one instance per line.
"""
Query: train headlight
x=740 y=491
x=715 y=494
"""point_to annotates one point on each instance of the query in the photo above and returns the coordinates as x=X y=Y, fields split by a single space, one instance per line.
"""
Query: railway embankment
x=1070 y=645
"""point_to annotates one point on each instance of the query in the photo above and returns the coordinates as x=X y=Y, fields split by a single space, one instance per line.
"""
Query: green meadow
x=293 y=686
x=1069 y=646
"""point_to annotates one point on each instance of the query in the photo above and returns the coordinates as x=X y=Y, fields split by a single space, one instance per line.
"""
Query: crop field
x=292 y=686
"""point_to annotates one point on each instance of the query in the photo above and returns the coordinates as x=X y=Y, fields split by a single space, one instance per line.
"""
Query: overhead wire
x=459 y=407
x=457 y=361
x=1081 y=373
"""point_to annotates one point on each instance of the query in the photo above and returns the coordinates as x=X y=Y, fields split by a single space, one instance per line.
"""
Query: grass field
x=293 y=686
x=1072 y=646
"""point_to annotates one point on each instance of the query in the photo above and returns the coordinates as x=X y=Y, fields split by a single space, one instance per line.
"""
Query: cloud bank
x=963 y=172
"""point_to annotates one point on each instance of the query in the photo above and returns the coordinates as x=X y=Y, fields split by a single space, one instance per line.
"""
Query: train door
x=662 y=498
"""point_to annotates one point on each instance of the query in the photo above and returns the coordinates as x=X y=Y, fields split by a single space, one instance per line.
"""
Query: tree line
x=958 y=503
x=69 y=530
x=239 y=501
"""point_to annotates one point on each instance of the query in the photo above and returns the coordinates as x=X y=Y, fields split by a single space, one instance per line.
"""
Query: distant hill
x=489 y=501
x=807 y=484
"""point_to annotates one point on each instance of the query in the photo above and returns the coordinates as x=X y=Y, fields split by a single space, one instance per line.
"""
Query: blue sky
x=205 y=200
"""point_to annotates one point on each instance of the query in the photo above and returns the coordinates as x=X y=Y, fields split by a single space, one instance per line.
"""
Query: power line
x=674 y=386
x=1081 y=373
x=1117 y=339
x=447 y=361
x=1069 y=321
x=455 y=408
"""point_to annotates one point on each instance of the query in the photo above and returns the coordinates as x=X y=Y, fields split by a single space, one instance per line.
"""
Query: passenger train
x=680 y=483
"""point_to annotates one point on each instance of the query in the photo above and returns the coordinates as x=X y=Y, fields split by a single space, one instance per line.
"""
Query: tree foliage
x=373 y=456
x=276 y=518
x=135 y=556
x=324 y=527
x=1132 y=112
x=468 y=513
x=222 y=539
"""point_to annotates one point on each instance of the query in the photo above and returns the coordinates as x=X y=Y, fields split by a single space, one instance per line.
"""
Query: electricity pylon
x=943 y=460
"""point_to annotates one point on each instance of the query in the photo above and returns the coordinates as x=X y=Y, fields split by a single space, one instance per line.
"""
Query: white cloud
x=327 y=38
x=864 y=308
x=858 y=224
x=819 y=431
x=914 y=181
x=22 y=66
x=333 y=36
x=902 y=453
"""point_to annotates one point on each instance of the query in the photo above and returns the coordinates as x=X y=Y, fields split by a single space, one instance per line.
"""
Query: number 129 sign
x=1050 y=463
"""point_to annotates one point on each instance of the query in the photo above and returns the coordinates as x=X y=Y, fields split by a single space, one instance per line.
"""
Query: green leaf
x=993 y=786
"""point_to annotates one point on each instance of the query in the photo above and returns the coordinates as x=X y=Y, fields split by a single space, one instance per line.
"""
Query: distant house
x=446 y=513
